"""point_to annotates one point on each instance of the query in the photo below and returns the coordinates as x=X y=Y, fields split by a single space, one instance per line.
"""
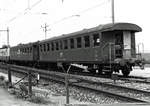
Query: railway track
x=120 y=77
x=118 y=90
x=111 y=90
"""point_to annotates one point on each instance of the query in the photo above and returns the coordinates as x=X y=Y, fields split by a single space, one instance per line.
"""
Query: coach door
x=119 y=44
x=127 y=44
x=35 y=52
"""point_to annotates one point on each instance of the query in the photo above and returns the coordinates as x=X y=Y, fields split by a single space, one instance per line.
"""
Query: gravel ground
x=78 y=95
x=120 y=91
x=52 y=96
x=81 y=95
x=10 y=100
x=87 y=96
x=131 y=84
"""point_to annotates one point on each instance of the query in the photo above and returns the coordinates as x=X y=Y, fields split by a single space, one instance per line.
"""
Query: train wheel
x=126 y=71
x=109 y=73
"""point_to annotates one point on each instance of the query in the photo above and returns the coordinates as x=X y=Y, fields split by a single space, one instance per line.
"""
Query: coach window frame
x=79 y=42
x=27 y=50
x=41 y=49
x=24 y=50
x=48 y=46
x=52 y=46
x=21 y=51
x=94 y=41
x=61 y=45
x=72 y=44
x=14 y=51
x=65 y=43
x=86 y=42
x=44 y=47
x=30 y=49
x=57 y=45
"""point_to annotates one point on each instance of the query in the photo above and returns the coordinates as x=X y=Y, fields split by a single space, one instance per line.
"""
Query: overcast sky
x=25 y=17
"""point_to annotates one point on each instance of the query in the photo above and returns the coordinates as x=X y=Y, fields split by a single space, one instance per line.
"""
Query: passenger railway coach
x=103 y=49
x=25 y=54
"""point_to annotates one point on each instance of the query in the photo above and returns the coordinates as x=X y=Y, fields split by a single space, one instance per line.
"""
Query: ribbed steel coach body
x=24 y=53
x=105 y=48
x=109 y=45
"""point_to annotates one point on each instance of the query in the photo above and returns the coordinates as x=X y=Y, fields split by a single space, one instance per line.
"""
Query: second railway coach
x=105 y=48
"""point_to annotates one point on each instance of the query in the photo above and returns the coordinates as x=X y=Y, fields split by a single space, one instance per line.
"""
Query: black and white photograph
x=74 y=53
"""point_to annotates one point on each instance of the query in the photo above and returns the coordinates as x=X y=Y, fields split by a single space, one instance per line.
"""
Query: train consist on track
x=103 y=49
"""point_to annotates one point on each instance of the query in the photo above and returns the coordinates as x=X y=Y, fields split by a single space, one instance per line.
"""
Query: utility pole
x=66 y=80
x=8 y=36
x=7 y=30
x=113 y=12
x=45 y=29
x=29 y=83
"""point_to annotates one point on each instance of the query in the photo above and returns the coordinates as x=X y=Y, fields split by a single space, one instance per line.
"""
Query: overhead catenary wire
x=93 y=7
x=29 y=8
x=80 y=12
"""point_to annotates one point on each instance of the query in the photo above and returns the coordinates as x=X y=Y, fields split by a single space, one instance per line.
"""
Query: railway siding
x=101 y=87
x=129 y=83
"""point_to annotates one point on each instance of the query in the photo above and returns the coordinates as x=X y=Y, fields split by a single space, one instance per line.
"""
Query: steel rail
x=46 y=74
x=109 y=94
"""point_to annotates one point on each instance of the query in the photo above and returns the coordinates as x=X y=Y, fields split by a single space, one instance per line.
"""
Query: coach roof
x=101 y=28
x=121 y=26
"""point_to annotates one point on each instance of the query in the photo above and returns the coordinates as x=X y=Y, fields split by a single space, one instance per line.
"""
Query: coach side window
x=44 y=46
x=87 y=41
x=52 y=45
x=61 y=45
x=48 y=47
x=65 y=44
x=30 y=49
x=96 y=39
x=57 y=46
x=40 y=48
x=71 y=43
x=79 y=42
x=25 y=50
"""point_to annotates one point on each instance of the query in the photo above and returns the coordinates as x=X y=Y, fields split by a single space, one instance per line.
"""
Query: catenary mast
x=113 y=13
